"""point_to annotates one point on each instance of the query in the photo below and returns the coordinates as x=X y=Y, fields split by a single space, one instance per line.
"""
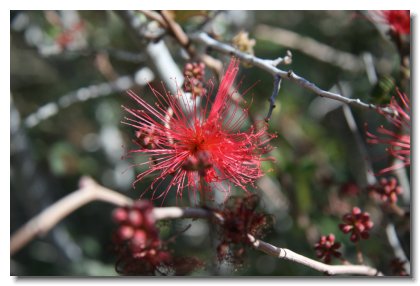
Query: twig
x=359 y=253
x=395 y=209
x=91 y=191
x=183 y=39
x=159 y=57
x=174 y=29
x=137 y=27
x=206 y=24
x=268 y=66
x=276 y=89
x=178 y=33
x=176 y=212
x=287 y=254
x=152 y=15
x=158 y=54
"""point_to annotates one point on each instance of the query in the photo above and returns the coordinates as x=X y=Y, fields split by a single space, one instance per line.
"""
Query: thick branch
x=268 y=66
x=46 y=220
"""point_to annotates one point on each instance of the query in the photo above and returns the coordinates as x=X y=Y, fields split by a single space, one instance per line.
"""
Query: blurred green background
x=69 y=73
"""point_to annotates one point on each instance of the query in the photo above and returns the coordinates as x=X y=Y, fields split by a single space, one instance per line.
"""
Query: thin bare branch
x=287 y=254
x=268 y=66
x=152 y=15
x=176 y=212
x=177 y=31
x=272 y=99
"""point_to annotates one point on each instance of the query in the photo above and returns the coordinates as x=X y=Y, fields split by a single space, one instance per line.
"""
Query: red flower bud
x=327 y=247
x=135 y=218
x=119 y=215
x=357 y=223
x=125 y=232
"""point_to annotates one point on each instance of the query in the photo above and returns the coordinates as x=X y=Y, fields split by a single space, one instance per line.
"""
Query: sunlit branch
x=91 y=191
x=270 y=67
x=287 y=254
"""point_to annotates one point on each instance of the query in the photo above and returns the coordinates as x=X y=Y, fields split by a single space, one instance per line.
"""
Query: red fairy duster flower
x=398 y=20
x=398 y=141
x=357 y=223
x=193 y=144
x=327 y=247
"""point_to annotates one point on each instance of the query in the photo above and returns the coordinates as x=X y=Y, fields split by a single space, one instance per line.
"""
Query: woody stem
x=202 y=191
x=359 y=253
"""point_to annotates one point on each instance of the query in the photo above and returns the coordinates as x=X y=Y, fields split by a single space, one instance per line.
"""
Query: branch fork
x=91 y=191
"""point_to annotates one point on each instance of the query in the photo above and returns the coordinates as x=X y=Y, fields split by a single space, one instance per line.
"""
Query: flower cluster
x=196 y=145
x=194 y=78
x=387 y=190
x=357 y=223
x=239 y=220
x=137 y=241
x=139 y=248
x=327 y=247
x=398 y=141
